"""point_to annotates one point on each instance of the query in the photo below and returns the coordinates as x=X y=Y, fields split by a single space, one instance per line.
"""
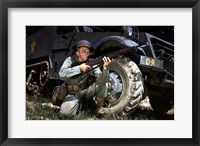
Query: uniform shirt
x=70 y=72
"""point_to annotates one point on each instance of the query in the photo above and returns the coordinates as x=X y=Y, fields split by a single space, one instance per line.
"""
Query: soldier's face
x=83 y=54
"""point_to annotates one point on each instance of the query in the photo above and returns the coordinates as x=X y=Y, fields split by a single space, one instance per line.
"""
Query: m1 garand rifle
x=99 y=61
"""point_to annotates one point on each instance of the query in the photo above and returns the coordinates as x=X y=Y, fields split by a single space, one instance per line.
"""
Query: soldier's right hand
x=84 y=67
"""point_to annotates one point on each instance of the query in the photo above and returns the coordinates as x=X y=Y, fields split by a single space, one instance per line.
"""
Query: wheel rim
x=115 y=88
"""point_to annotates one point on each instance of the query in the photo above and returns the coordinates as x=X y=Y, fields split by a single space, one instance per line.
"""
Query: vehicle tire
x=125 y=86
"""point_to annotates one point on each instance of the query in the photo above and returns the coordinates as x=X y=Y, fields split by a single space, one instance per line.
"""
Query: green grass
x=38 y=108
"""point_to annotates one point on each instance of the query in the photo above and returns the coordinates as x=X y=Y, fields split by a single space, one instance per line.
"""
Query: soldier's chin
x=85 y=59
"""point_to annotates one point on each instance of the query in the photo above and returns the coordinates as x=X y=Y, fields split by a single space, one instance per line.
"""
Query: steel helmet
x=84 y=43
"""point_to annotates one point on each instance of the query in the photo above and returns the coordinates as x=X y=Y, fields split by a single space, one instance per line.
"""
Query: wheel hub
x=115 y=85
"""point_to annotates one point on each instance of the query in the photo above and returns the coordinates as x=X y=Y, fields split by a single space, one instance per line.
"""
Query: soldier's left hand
x=106 y=61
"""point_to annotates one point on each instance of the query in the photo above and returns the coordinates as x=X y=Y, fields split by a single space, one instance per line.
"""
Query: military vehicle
x=147 y=70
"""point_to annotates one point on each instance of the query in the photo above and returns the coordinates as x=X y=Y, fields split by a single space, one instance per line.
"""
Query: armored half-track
x=147 y=70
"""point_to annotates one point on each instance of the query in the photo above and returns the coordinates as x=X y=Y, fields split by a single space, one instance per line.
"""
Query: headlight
x=130 y=31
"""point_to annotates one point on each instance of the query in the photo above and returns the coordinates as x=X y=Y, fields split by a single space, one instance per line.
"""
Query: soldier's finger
x=89 y=67
x=108 y=59
x=104 y=59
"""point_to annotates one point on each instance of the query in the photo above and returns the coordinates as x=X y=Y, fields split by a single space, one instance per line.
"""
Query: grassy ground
x=40 y=108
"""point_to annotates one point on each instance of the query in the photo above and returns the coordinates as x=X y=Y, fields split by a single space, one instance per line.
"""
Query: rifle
x=99 y=61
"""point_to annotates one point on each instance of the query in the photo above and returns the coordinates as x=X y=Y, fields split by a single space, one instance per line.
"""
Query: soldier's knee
x=69 y=107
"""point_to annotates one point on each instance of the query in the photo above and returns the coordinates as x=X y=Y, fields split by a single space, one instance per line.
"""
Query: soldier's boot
x=99 y=103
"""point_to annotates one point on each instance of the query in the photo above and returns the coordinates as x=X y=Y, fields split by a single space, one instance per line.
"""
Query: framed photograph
x=151 y=50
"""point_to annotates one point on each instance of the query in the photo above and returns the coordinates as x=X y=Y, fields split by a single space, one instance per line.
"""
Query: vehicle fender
x=114 y=41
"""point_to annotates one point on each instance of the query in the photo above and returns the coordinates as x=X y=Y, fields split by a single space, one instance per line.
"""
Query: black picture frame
x=6 y=4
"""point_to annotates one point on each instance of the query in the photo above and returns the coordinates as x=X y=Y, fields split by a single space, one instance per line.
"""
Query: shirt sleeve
x=97 y=71
x=66 y=71
x=101 y=76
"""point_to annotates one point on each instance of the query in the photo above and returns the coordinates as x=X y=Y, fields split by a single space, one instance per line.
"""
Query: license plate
x=148 y=61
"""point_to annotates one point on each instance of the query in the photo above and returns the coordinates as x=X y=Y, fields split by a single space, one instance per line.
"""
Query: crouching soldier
x=78 y=85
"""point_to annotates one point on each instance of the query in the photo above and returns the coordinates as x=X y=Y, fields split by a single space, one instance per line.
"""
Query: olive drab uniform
x=78 y=85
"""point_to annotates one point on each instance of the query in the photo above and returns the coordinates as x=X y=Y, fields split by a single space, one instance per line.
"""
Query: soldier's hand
x=84 y=67
x=106 y=61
